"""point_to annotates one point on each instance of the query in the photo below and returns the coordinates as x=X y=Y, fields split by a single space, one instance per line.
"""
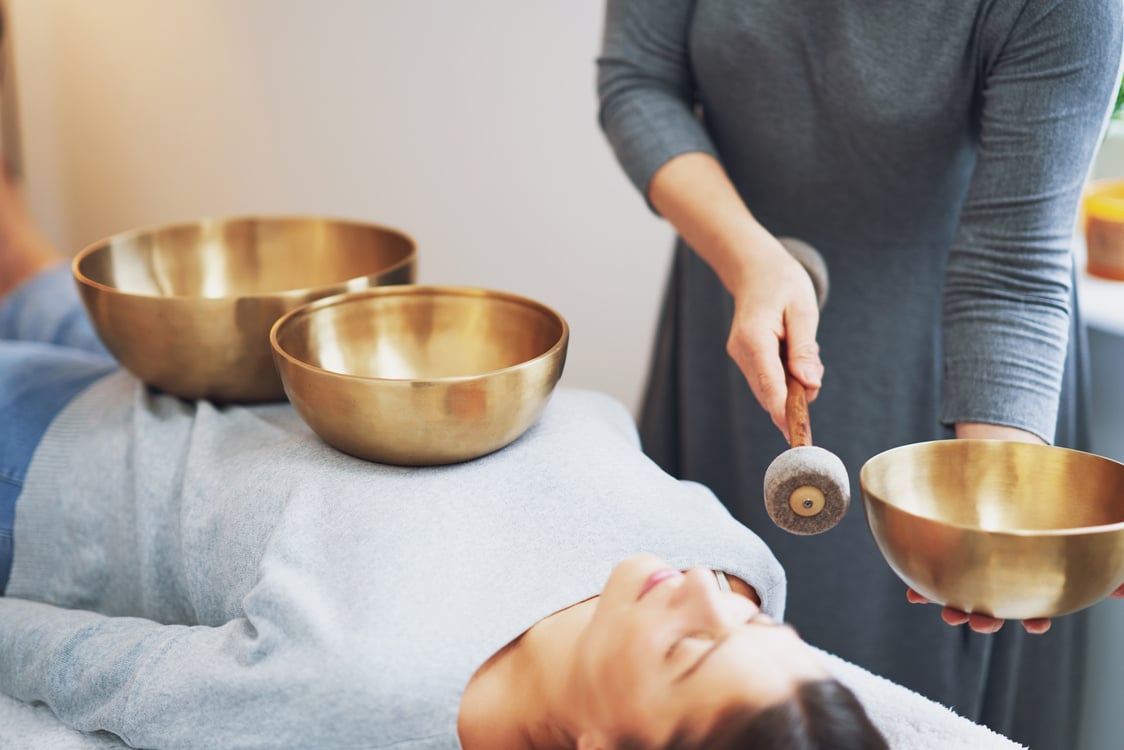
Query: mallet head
x=807 y=490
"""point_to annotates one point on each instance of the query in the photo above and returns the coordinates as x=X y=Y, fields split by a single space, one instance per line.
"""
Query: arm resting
x=154 y=685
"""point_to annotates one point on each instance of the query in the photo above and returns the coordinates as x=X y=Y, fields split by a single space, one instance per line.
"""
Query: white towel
x=909 y=721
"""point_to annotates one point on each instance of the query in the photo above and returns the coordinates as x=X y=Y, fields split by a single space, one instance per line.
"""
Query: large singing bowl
x=187 y=308
x=1006 y=529
x=420 y=375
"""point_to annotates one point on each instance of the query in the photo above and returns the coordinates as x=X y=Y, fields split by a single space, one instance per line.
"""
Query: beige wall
x=471 y=125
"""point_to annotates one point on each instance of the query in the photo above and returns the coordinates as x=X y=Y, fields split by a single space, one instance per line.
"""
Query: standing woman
x=934 y=153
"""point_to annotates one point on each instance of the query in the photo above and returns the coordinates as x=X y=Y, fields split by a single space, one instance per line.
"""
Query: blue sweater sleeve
x=645 y=86
x=1043 y=105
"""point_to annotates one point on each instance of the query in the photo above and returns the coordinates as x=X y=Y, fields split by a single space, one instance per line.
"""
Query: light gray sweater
x=254 y=588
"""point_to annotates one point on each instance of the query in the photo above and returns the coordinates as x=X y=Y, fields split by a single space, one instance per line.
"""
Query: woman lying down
x=187 y=576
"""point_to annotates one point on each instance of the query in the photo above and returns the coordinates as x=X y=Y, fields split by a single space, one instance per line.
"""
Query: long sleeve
x=1008 y=285
x=645 y=86
x=166 y=686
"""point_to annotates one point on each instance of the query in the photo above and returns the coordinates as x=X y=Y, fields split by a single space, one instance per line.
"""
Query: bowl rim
x=84 y=280
x=417 y=290
x=870 y=497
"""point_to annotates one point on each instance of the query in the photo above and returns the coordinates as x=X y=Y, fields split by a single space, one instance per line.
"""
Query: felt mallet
x=807 y=490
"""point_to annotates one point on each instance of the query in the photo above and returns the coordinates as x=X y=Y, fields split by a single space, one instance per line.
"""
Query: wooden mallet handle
x=796 y=413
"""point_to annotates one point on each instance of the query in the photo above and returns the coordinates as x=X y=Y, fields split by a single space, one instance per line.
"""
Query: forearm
x=774 y=299
x=693 y=192
x=153 y=685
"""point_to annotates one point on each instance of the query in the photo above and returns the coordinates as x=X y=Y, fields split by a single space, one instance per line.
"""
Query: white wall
x=471 y=125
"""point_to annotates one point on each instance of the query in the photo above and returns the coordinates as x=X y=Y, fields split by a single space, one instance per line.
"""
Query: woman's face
x=666 y=650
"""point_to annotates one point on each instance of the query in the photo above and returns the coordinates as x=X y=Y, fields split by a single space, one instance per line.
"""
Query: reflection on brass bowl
x=420 y=375
x=1007 y=529
x=187 y=307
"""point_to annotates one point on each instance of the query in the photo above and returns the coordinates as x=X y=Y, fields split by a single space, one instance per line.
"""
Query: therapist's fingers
x=754 y=345
x=977 y=622
x=803 y=353
x=983 y=623
x=948 y=614
x=775 y=316
x=986 y=624
x=915 y=598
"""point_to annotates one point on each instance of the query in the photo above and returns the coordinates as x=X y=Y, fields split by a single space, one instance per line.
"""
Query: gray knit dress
x=934 y=153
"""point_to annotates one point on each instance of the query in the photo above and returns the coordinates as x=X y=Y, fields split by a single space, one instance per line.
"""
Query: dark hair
x=821 y=715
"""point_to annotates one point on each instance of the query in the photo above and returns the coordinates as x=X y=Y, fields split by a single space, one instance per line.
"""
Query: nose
x=702 y=601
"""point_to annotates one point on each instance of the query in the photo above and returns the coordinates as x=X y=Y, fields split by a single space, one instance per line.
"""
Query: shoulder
x=1091 y=28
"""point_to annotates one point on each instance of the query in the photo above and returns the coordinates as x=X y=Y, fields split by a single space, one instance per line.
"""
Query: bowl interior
x=216 y=258
x=420 y=333
x=998 y=486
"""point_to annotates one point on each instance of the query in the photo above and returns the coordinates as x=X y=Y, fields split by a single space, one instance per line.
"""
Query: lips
x=656 y=579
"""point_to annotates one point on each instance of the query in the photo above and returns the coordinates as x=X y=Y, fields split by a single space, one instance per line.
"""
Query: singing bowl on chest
x=1007 y=529
x=420 y=375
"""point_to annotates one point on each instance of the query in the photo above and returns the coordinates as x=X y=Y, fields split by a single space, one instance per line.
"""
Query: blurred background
x=472 y=126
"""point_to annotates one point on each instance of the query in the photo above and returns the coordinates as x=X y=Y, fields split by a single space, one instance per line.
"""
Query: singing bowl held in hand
x=1011 y=530
x=187 y=308
x=420 y=375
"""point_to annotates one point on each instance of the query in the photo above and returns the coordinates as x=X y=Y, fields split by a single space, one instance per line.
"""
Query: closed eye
x=674 y=647
x=671 y=650
x=718 y=643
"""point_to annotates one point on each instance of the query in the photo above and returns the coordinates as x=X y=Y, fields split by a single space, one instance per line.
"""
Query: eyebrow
x=715 y=646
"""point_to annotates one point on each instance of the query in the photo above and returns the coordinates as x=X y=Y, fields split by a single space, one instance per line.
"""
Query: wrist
x=983 y=431
x=747 y=253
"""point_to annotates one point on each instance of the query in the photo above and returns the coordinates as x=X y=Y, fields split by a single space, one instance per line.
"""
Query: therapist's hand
x=977 y=622
x=774 y=327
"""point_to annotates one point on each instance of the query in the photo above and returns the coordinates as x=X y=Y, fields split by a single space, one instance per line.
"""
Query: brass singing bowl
x=1007 y=529
x=187 y=308
x=420 y=375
